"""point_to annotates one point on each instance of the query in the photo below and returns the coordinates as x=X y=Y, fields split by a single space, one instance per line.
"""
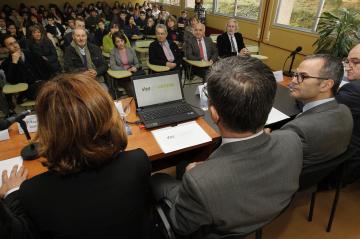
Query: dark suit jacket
x=242 y=186
x=192 y=51
x=73 y=62
x=325 y=131
x=109 y=202
x=157 y=55
x=224 y=45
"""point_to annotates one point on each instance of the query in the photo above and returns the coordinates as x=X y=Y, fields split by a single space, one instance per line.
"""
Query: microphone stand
x=289 y=73
x=30 y=151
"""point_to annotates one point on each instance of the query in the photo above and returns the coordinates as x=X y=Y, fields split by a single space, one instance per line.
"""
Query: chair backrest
x=312 y=175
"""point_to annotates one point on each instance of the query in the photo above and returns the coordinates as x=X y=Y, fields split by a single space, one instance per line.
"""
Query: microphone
x=297 y=50
x=292 y=54
x=4 y=124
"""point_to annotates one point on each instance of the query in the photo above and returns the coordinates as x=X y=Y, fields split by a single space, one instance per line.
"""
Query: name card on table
x=8 y=164
x=278 y=76
x=31 y=123
x=4 y=135
x=181 y=136
x=275 y=116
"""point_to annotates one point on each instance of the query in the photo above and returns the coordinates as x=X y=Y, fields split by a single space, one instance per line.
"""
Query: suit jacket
x=325 y=131
x=192 y=51
x=107 y=202
x=224 y=44
x=242 y=186
x=115 y=60
x=73 y=62
x=157 y=55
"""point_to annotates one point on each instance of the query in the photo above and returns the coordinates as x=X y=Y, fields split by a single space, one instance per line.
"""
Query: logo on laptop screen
x=146 y=88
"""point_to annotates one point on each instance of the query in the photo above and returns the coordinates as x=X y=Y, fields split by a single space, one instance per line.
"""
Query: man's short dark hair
x=242 y=90
x=332 y=69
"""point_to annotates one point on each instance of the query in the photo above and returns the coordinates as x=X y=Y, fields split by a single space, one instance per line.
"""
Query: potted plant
x=338 y=32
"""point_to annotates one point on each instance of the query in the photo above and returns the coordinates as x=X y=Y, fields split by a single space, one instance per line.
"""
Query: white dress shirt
x=315 y=103
x=234 y=40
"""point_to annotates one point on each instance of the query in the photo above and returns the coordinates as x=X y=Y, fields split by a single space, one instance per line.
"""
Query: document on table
x=8 y=164
x=181 y=136
x=275 y=116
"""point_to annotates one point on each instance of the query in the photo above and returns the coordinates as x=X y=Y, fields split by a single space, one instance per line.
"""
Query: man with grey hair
x=324 y=126
x=164 y=52
x=252 y=176
x=86 y=57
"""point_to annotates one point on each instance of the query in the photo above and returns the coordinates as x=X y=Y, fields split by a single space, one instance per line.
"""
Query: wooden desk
x=140 y=138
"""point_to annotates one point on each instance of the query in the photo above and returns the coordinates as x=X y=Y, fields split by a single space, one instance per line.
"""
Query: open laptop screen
x=157 y=89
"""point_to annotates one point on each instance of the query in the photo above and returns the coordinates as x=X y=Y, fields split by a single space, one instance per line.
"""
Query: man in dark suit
x=164 y=52
x=324 y=126
x=84 y=56
x=227 y=194
x=231 y=42
x=200 y=48
x=349 y=95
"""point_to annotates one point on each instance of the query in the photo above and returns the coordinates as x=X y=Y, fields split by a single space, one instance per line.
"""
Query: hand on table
x=14 y=180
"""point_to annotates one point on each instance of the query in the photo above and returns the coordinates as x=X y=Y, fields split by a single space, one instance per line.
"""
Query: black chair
x=311 y=177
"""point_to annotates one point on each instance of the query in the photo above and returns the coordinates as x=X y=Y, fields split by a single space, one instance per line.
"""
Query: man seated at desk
x=200 y=48
x=324 y=126
x=251 y=170
x=164 y=52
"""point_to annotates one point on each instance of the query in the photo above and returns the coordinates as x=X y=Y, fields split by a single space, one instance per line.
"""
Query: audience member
x=164 y=52
x=189 y=30
x=173 y=33
x=24 y=67
x=84 y=56
x=226 y=194
x=100 y=32
x=200 y=11
x=123 y=57
x=183 y=20
x=131 y=30
x=13 y=31
x=349 y=95
x=54 y=28
x=79 y=23
x=200 y=48
x=93 y=187
x=39 y=44
x=149 y=29
x=324 y=126
x=231 y=42
x=108 y=44
x=122 y=19
x=155 y=11
x=92 y=21
x=141 y=20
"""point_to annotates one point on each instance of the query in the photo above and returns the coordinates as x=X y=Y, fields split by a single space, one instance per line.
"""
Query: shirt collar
x=315 y=103
x=231 y=140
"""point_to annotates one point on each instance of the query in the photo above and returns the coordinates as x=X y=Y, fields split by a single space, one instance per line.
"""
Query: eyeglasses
x=300 y=77
x=353 y=62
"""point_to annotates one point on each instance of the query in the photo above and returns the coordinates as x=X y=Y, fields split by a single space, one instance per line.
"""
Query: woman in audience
x=173 y=33
x=39 y=44
x=123 y=57
x=131 y=30
x=93 y=187
x=18 y=35
x=189 y=30
x=108 y=44
x=149 y=29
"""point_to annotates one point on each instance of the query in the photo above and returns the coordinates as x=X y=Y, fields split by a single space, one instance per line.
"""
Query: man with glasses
x=324 y=126
x=349 y=94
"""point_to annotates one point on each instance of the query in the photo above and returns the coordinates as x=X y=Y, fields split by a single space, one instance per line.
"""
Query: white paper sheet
x=181 y=136
x=278 y=76
x=275 y=116
x=8 y=164
x=4 y=135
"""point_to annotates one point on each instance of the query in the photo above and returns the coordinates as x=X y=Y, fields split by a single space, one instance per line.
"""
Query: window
x=170 y=2
x=304 y=14
x=208 y=4
x=226 y=7
x=248 y=8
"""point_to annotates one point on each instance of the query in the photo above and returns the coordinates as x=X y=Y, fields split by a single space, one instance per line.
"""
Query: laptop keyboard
x=165 y=112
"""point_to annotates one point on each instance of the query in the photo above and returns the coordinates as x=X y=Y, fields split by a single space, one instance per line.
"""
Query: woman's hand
x=14 y=180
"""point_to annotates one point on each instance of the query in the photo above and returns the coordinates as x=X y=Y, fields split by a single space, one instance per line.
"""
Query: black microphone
x=4 y=124
x=297 y=50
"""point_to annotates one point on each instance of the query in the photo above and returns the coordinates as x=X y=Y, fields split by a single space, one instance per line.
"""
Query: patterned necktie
x=232 y=43
x=201 y=50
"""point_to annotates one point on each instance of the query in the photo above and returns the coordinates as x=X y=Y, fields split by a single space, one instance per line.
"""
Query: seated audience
x=183 y=20
x=190 y=29
x=108 y=44
x=149 y=29
x=123 y=57
x=200 y=48
x=164 y=52
x=231 y=42
x=122 y=19
x=324 y=126
x=86 y=57
x=92 y=21
x=22 y=66
x=173 y=33
x=349 y=95
x=155 y=11
x=141 y=20
x=79 y=23
x=54 y=28
x=93 y=187
x=42 y=46
x=13 y=31
x=100 y=32
x=130 y=29
x=227 y=194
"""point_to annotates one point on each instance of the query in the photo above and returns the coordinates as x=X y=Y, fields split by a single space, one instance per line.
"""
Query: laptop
x=160 y=100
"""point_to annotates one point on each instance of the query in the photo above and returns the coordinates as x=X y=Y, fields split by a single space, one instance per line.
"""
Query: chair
x=117 y=75
x=313 y=175
x=188 y=69
x=9 y=89
x=142 y=48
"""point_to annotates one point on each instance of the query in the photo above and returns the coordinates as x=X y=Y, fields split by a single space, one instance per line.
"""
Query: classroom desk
x=140 y=138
